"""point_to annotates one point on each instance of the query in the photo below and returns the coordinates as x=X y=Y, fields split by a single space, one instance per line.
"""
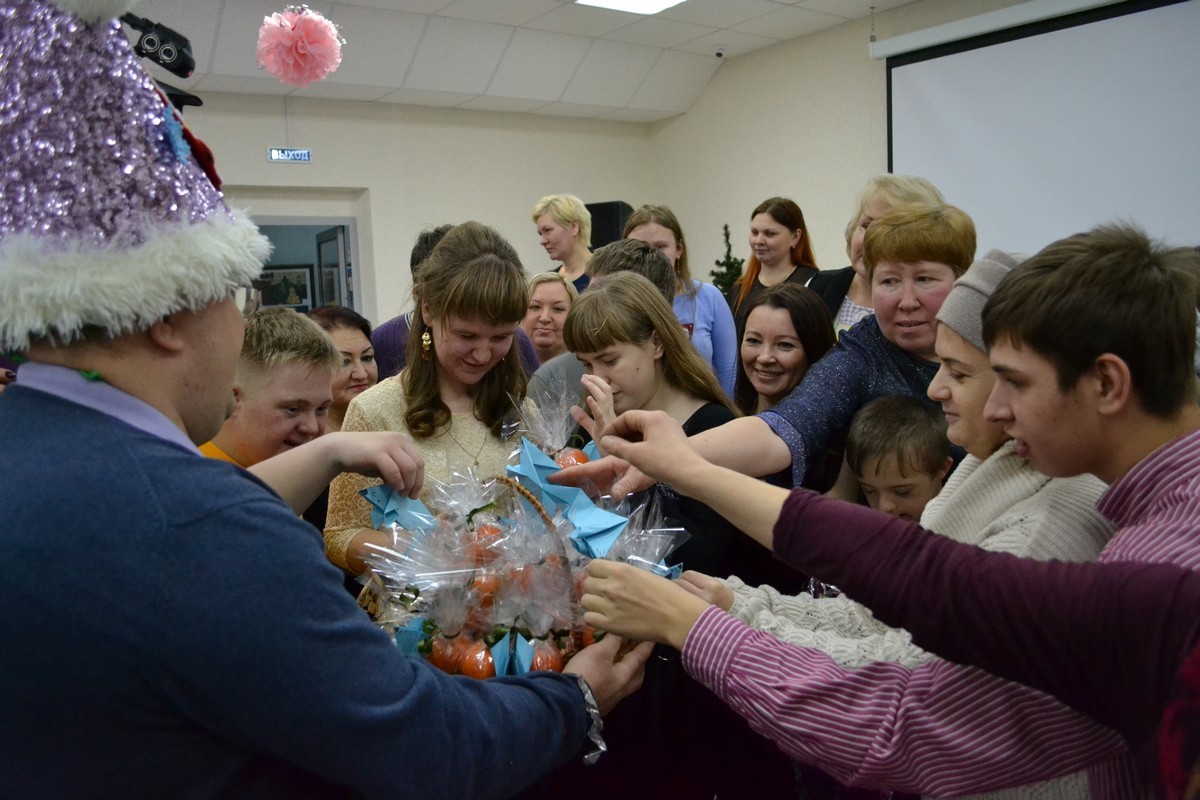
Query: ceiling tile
x=583 y=20
x=457 y=56
x=636 y=115
x=734 y=43
x=851 y=9
x=379 y=47
x=240 y=84
x=415 y=6
x=610 y=73
x=675 y=82
x=509 y=12
x=719 y=13
x=788 y=23
x=519 y=56
x=419 y=97
x=538 y=65
x=343 y=91
x=491 y=103
x=659 y=32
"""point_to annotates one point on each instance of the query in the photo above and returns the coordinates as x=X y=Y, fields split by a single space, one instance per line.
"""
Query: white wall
x=398 y=169
x=805 y=119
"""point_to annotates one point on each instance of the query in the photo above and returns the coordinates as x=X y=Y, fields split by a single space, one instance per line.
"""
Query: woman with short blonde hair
x=564 y=227
x=550 y=298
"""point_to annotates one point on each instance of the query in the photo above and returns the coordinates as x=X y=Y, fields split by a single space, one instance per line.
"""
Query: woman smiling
x=454 y=394
x=351 y=334
x=787 y=331
x=550 y=298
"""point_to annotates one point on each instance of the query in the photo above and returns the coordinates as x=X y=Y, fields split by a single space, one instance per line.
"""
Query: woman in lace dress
x=455 y=393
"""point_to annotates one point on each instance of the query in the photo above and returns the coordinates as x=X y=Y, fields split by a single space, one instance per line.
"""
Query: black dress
x=674 y=738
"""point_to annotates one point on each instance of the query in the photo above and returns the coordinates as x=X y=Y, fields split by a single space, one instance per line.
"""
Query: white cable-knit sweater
x=999 y=504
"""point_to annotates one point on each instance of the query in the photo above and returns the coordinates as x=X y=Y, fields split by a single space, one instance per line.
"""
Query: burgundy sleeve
x=1106 y=639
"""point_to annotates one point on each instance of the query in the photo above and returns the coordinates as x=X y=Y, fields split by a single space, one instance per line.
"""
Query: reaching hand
x=611 y=681
x=622 y=599
x=654 y=443
x=711 y=590
x=600 y=406
x=379 y=454
x=609 y=475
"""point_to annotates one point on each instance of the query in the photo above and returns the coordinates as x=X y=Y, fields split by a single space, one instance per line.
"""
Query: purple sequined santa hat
x=107 y=221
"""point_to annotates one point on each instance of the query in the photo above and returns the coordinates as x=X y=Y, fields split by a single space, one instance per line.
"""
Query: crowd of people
x=941 y=508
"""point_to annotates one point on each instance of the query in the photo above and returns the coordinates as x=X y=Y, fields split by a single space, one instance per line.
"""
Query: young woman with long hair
x=454 y=394
x=636 y=355
x=780 y=251
x=699 y=306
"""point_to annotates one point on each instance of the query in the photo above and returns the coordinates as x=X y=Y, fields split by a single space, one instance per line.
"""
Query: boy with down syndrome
x=898 y=454
x=1092 y=342
x=282 y=390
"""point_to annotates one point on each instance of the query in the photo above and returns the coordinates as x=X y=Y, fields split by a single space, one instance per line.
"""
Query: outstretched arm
x=746 y=445
x=655 y=444
x=302 y=473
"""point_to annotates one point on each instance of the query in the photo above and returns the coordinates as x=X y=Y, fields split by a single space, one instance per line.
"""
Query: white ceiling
x=527 y=56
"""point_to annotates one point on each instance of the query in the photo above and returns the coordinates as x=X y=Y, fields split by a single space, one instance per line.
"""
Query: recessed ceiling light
x=632 y=6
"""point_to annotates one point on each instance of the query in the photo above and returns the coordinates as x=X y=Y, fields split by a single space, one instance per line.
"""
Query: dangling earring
x=426 y=345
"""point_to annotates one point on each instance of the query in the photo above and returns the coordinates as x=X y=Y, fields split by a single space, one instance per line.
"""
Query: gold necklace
x=450 y=433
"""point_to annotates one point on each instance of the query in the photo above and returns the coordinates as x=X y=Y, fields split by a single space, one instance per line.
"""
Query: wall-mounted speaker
x=608 y=220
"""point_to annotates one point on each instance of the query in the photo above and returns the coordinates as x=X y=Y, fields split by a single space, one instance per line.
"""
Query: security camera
x=719 y=52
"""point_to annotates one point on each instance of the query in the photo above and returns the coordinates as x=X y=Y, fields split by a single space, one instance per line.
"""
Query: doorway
x=315 y=262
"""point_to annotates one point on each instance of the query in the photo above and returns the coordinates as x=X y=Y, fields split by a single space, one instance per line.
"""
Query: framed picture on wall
x=289 y=285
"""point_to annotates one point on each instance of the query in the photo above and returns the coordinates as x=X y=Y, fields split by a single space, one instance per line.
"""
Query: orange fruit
x=570 y=457
x=483 y=544
x=547 y=656
x=484 y=586
x=477 y=661
x=445 y=653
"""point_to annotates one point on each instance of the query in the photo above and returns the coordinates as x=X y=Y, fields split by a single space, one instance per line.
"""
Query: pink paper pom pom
x=299 y=46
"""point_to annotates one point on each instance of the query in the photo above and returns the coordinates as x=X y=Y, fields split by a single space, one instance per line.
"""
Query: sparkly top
x=864 y=365
x=382 y=408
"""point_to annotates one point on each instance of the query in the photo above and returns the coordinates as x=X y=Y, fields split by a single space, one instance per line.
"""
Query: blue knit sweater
x=862 y=366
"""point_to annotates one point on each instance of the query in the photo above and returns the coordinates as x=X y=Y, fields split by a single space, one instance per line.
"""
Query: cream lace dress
x=465 y=443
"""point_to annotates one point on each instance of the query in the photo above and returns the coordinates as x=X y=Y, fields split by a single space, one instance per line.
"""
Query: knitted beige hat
x=963 y=307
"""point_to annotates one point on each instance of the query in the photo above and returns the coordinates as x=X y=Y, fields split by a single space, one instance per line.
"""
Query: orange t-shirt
x=210 y=450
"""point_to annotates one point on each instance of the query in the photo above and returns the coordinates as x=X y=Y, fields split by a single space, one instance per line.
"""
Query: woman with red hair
x=781 y=251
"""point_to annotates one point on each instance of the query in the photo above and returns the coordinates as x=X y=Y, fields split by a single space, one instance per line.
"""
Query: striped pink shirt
x=940 y=728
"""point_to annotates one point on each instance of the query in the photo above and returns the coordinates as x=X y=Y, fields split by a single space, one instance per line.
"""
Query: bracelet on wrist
x=595 y=722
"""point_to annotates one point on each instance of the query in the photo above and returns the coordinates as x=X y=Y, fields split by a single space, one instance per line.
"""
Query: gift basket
x=483 y=587
x=547 y=421
x=491 y=584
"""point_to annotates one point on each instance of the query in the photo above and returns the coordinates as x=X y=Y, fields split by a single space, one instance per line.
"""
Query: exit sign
x=292 y=154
